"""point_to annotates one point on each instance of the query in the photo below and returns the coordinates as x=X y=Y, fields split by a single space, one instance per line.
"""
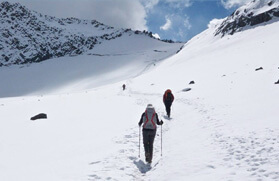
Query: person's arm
x=141 y=119
x=159 y=122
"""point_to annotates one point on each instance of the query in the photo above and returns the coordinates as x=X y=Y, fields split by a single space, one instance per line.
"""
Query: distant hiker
x=149 y=118
x=168 y=99
x=124 y=86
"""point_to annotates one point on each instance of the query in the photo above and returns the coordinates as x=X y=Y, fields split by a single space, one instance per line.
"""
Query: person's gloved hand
x=139 y=124
x=161 y=122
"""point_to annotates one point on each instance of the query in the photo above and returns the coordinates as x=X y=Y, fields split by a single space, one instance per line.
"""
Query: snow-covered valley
x=225 y=128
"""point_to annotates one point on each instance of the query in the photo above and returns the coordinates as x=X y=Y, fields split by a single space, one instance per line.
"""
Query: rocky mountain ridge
x=249 y=15
x=27 y=36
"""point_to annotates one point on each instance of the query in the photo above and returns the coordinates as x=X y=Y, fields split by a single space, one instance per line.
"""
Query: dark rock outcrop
x=39 y=116
x=244 y=17
x=186 y=89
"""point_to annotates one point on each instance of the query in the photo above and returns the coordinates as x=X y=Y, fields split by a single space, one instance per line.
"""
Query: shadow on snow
x=143 y=168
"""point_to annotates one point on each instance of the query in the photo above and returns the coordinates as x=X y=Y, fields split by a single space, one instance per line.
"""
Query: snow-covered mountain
x=223 y=127
x=75 y=50
x=254 y=13
x=27 y=36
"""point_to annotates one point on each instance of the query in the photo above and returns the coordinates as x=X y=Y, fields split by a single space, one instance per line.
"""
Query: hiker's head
x=150 y=108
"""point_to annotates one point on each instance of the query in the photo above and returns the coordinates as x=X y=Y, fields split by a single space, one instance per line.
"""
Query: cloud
x=215 y=22
x=167 y=25
x=116 y=13
x=179 y=3
x=181 y=33
x=233 y=3
x=187 y=23
x=149 y=4
x=156 y=36
x=175 y=20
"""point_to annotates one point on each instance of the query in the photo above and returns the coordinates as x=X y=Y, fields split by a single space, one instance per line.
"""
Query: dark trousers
x=168 y=107
x=148 y=140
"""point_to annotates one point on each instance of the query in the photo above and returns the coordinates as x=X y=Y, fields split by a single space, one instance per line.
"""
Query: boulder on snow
x=186 y=89
x=276 y=82
x=192 y=82
x=260 y=68
x=39 y=116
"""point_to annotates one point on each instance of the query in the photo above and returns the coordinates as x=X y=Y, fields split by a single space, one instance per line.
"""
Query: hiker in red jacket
x=168 y=99
x=149 y=119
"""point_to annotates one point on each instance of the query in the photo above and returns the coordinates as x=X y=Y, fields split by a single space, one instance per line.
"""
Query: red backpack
x=168 y=95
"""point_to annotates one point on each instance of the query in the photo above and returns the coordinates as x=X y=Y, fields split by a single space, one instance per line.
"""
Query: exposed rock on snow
x=39 y=116
x=186 y=89
x=254 y=13
x=260 y=68
x=192 y=82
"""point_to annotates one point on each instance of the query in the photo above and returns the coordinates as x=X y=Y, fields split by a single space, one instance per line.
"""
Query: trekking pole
x=161 y=140
x=139 y=141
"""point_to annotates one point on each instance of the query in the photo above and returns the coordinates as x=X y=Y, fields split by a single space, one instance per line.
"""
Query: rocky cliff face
x=27 y=36
x=253 y=13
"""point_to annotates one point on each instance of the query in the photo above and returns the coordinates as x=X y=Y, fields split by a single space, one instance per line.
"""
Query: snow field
x=225 y=128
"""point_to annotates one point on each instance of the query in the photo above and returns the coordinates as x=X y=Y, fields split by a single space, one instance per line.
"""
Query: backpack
x=168 y=96
x=150 y=118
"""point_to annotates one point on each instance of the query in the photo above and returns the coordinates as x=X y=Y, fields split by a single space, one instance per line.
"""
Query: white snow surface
x=225 y=128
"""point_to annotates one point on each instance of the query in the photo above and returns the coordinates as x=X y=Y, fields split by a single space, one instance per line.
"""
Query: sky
x=178 y=20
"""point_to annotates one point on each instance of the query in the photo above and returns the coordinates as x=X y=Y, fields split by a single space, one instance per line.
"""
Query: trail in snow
x=215 y=154
x=245 y=155
x=125 y=164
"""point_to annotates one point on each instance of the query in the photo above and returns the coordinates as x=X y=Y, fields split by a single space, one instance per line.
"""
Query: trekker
x=124 y=86
x=168 y=99
x=149 y=118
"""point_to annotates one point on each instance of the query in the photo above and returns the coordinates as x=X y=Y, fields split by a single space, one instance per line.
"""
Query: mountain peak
x=27 y=36
x=10 y=7
x=251 y=14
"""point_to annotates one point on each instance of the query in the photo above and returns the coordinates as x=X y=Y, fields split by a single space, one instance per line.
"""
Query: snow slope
x=225 y=128
x=108 y=62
